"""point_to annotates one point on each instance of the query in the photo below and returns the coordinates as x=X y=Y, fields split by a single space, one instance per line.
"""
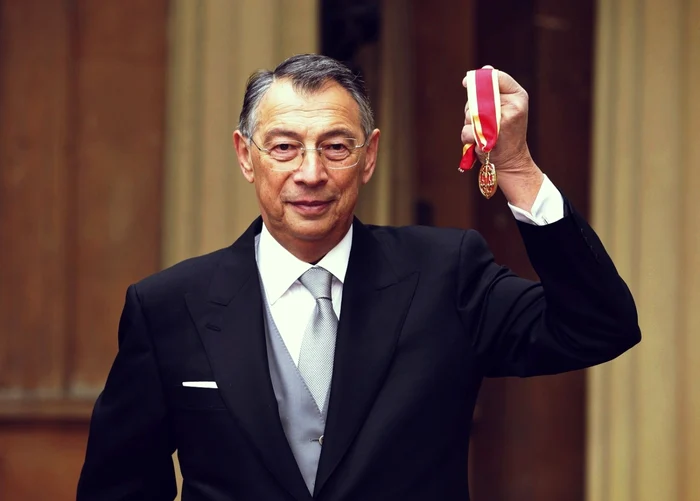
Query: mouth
x=311 y=207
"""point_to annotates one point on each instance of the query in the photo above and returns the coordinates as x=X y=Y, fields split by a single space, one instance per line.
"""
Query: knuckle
x=520 y=107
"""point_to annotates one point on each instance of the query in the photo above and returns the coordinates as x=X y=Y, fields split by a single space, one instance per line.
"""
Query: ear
x=244 y=156
x=371 y=159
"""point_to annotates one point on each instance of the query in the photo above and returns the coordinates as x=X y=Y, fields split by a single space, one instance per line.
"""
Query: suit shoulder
x=190 y=275
x=420 y=241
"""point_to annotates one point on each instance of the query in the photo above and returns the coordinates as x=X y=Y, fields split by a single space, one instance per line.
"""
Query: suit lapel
x=376 y=297
x=231 y=326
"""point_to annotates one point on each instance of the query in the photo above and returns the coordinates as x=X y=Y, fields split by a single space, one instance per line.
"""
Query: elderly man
x=321 y=358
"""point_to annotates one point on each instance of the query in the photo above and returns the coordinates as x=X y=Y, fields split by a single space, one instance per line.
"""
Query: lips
x=310 y=203
x=311 y=207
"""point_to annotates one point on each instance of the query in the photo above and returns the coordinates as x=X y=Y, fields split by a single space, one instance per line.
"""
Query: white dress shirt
x=292 y=305
x=547 y=208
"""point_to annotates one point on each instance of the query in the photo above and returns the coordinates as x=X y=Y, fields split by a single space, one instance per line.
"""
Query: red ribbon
x=485 y=109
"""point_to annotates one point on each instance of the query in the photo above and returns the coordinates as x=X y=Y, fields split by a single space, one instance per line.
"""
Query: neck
x=310 y=251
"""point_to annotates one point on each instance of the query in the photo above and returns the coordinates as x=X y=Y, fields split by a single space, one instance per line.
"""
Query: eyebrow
x=334 y=132
x=281 y=131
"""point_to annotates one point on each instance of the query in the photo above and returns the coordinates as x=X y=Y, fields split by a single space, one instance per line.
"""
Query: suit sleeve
x=580 y=314
x=129 y=450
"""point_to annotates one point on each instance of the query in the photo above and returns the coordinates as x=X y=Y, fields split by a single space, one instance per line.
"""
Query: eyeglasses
x=288 y=155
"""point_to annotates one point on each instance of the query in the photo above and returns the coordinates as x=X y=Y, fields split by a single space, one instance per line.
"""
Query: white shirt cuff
x=547 y=208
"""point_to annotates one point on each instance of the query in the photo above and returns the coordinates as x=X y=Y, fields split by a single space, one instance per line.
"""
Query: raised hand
x=518 y=176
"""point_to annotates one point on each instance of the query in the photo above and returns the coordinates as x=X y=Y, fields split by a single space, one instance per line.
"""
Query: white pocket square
x=200 y=384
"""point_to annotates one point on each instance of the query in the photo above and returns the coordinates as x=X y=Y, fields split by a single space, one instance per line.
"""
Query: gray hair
x=308 y=73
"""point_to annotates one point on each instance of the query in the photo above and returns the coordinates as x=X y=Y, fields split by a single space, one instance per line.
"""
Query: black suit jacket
x=426 y=314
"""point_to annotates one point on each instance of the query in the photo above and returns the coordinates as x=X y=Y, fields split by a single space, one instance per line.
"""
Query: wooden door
x=82 y=105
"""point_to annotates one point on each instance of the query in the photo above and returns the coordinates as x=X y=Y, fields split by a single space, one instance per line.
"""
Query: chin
x=311 y=232
x=314 y=229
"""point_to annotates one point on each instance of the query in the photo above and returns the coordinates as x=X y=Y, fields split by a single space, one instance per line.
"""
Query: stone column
x=214 y=46
x=389 y=196
x=644 y=408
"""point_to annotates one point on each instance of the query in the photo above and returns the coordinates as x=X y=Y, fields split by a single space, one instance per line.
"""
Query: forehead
x=308 y=112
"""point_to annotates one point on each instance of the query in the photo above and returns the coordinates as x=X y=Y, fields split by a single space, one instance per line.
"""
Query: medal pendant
x=488 y=181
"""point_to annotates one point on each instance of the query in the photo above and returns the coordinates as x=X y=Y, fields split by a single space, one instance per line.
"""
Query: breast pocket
x=203 y=399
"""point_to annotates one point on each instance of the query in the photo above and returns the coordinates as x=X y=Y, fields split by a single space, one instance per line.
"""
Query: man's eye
x=284 y=151
x=336 y=151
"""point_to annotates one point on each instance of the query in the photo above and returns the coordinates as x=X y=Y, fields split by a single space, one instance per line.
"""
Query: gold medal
x=488 y=179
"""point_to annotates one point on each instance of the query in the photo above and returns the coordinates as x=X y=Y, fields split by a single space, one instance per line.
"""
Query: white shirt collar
x=279 y=269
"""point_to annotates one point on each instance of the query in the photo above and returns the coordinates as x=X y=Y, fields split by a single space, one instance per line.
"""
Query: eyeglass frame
x=303 y=149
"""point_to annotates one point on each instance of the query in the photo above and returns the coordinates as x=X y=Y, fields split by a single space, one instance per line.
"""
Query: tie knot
x=318 y=281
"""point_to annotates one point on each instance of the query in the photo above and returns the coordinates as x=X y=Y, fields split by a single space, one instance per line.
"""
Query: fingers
x=467 y=135
x=506 y=83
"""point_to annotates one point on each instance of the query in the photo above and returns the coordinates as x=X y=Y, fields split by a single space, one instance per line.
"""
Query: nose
x=311 y=171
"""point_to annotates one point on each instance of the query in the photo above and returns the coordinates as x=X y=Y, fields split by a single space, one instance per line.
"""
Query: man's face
x=312 y=205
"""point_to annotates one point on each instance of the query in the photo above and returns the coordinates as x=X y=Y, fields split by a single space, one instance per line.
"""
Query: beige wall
x=644 y=409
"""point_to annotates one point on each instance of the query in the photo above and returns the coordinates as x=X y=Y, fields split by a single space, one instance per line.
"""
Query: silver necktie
x=318 y=345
